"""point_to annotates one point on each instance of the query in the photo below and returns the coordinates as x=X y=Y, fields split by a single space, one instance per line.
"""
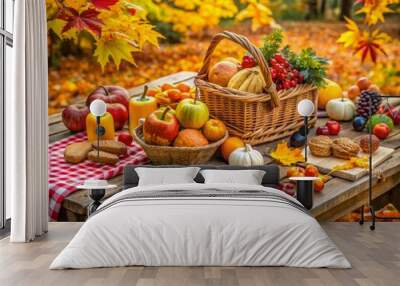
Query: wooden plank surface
x=374 y=256
x=326 y=164
x=339 y=196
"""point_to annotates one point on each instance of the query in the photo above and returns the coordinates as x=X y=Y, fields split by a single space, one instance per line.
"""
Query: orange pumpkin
x=214 y=130
x=190 y=138
x=230 y=145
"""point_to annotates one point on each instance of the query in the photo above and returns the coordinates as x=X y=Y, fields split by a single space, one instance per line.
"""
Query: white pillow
x=248 y=177
x=166 y=176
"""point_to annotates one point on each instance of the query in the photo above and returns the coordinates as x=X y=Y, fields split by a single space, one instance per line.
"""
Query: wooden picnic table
x=338 y=198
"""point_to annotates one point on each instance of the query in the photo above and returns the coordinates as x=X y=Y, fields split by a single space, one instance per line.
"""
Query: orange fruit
x=166 y=86
x=311 y=171
x=174 y=94
x=214 y=130
x=363 y=83
x=190 y=138
x=230 y=145
x=183 y=87
x=319 y=185
x=353 y=92
x=292 y=172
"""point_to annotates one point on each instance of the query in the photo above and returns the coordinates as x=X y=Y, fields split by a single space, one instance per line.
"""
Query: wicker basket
x=256 y=118
x=168 y=155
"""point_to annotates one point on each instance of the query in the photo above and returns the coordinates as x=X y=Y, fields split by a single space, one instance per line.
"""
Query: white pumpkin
x=341 y=109
x=246 y=156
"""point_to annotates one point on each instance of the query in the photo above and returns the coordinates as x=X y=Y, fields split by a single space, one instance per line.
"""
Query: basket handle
x=254 y=52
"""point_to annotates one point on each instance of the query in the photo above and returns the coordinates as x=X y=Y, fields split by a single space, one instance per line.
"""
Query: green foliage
x=310 y=65
x=307 y=62
x=271 y=44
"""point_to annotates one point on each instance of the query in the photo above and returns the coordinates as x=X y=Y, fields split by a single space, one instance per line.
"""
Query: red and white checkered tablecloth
x=64 y=177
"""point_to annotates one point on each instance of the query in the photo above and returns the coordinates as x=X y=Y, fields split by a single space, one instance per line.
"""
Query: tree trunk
x=323 y=8
x=345 y=9
x=312 y=9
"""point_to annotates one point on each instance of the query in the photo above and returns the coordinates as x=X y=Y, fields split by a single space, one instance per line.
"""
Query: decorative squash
x=330 y=91
x=192 y=113
x=341 y=109
x=190 y=138
x=246 y=156
x=230 y=145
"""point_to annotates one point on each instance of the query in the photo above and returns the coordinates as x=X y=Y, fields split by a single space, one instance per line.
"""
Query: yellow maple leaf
x=352 y=36
x=116 y=49
x=374 y=11
x=258 y=12
x=76 y=4
x=353 y=162
x=287 y=156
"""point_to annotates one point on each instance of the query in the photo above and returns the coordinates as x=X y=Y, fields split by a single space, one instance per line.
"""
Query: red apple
x=333 y=127
x=381 y=130
x=161 y=127
x=119 y=113
x=74 y=117
x=110 y=94
x=125 y=138
x=322 y=130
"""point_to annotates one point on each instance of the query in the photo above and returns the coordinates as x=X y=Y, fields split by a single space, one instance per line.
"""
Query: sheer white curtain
x=27 y=128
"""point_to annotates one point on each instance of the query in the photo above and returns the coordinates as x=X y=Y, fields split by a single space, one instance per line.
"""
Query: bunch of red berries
x=283 y=74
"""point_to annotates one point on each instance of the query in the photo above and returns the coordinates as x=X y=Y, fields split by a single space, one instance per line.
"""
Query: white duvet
x=204 y=231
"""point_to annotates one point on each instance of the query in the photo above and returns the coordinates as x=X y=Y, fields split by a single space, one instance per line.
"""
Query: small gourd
x=341 y=109
x=246 y=156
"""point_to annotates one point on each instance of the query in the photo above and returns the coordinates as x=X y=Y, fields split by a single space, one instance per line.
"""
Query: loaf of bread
x=111 y=146
x=103 y=157
x=77 y=152
x=345 y=148
x=320 y=146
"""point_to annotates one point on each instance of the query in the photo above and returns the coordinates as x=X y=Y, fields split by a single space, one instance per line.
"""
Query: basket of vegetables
x=185 y=136
x=257 y=97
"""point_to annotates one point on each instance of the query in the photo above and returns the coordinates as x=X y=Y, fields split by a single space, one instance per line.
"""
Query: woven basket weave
x=169 y=155
x=256 y=118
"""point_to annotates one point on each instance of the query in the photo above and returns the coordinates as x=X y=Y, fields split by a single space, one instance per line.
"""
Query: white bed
x=222 y=225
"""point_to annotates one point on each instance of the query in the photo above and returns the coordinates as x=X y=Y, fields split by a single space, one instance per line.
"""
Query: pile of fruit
x=309 y=171
x=171 y=94
x=187 y=126
x=287 y=68
x=229 y=72
x=116 y=98
x=381 y=117
x=283 y=74
x=355 y=105
x=236 y=152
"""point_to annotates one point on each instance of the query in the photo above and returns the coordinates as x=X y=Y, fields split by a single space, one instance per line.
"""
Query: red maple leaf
x=84 y=20
x=104 y=4
x=369 y=48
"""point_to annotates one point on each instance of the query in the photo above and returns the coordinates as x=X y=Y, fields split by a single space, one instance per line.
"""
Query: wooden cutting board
x=326 y=164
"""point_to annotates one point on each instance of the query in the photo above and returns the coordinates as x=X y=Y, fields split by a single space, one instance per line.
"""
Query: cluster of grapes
x=283 y=74
x=363 y=103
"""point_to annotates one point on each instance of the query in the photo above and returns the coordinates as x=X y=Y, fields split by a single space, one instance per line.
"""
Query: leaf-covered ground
x=76 y=77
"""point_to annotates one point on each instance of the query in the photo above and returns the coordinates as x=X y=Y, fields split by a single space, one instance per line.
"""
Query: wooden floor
x=375 y=257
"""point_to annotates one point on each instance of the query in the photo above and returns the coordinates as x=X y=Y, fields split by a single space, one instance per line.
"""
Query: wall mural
x=129 y=86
